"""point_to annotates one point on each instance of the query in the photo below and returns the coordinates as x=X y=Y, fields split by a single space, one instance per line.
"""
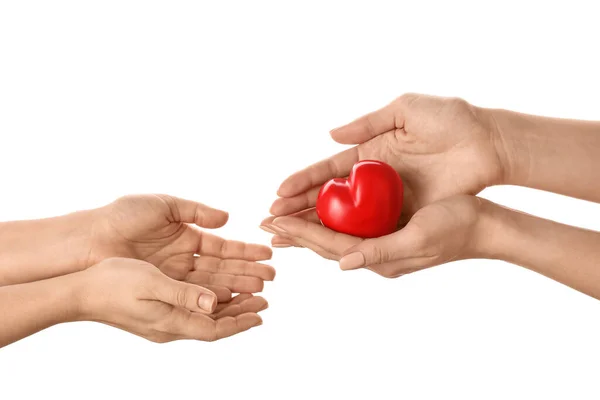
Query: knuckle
x=181 y=297
x=164 y=325
x=224 y=247
x=385 y=272
x=459 y=104
x=370 y=124
x=381 y=255
x=159 y=337
x=405 y=99
x=212 y=335
x=419 y=240
x=378 y=254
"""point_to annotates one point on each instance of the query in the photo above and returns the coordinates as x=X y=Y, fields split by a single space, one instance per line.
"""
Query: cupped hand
x=440 y=147
x=135 y=296
x=160 y=229
x=441 y=232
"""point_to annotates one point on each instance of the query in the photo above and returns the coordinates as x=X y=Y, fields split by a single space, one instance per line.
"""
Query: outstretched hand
x=160 y=229
x=441 y=232
x=135 y=296
x=439 y=146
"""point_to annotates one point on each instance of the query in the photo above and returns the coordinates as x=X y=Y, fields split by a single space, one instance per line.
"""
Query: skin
x=160 y=229
x=132 y=295
x=169 y=271
x=463 y=227
x=432 y=142
x=446 y=152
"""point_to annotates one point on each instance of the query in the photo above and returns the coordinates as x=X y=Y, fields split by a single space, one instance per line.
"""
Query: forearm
x=31 y=307
x=44 y=248
x=564 y=253
x=557 y=155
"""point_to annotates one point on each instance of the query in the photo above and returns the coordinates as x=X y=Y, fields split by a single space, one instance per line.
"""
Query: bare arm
x=44 y=248
x=456 y=228
x=564 y=253
x=31 y=307
x=556 y=155
x=129 y=294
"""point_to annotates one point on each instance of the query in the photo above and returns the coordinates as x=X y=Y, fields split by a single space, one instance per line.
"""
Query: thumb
x=368 y=126
x=192 y=212
x=381 y=250
x=185 y=295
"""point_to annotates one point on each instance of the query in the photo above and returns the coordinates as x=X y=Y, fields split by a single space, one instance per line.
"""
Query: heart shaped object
x=367 y=204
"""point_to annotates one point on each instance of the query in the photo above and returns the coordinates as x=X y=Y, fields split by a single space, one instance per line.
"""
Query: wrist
x=79 y=293
x=74 y=291
x=79 y=228
x=491 y=230
x=504 y=128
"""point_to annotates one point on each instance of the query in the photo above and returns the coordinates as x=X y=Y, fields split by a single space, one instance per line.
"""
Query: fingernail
x=267 y=229
x=352 y=261
x=206 y=302
x=281 y=245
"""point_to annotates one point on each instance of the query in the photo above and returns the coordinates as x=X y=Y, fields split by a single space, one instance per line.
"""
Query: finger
x=289 y=241
x=316 y=248
x=236 y=300
x=193 y=212
x=235 y=283
x=252 y=305
x=281 y=242
x=370 y=125
x=337 y=166
x=182 y=294
x=290 y=205
x=223 y=294
x=234 y=267
x=202 y=327
x=211 y=245
x=308 y=215
x=405 y=243
x=331 y=241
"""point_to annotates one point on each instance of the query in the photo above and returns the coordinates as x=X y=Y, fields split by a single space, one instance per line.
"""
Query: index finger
x=329 y=240
x=211 y=245
x=337 y=166
x=374 y=123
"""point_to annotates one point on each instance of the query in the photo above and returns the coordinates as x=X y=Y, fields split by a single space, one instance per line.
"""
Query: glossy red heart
x=367 y=204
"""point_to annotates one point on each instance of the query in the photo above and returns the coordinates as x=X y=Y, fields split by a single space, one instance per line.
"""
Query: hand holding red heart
x=438 y=233
x=164 y=231
x=441 y=147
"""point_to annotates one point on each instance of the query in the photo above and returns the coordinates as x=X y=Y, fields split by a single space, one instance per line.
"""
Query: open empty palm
x=164 y=231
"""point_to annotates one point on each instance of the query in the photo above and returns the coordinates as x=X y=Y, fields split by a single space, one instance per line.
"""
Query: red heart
x=367 y=204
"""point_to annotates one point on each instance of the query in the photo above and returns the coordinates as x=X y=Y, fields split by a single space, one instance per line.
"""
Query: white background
x=218 y=102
